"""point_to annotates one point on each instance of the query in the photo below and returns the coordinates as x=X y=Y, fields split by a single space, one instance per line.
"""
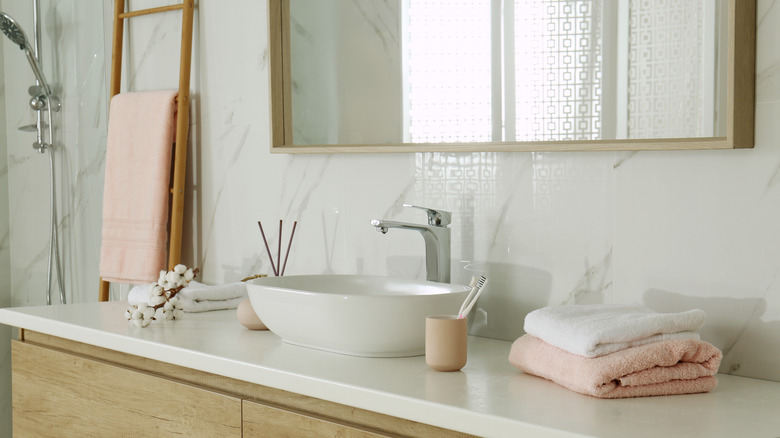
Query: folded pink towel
x=671 y=367
x=135 y=194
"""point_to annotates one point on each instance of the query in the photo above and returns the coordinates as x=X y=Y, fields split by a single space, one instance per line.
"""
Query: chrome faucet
x=437 y=240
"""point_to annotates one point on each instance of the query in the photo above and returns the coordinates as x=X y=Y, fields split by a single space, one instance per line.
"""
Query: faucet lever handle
x=436 y=218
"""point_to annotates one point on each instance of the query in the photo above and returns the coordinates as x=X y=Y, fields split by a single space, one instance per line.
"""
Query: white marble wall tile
x=151 y=48
x=701 y=230
x=233 y=63
x=767 y=55
x=77 y=47
x=81 y=221
x=28 y=175
x=547 y=239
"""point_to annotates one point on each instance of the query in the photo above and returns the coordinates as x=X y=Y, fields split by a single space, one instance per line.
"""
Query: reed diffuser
x=278 y=268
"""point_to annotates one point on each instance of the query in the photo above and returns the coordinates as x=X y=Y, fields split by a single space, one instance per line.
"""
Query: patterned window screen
x=665 y=69
x=557 y=69
x=552 y=65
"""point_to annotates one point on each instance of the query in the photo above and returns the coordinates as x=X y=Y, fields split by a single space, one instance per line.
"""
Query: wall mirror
x=511 y=75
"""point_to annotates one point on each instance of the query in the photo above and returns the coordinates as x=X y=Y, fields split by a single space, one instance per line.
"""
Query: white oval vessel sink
x=353 y=314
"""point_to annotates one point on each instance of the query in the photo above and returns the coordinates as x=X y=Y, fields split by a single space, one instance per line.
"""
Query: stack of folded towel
x=614 y=351
x=197 y=297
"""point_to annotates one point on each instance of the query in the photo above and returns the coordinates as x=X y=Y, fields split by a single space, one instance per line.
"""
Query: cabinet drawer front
x=59 y=395
x=262 y=421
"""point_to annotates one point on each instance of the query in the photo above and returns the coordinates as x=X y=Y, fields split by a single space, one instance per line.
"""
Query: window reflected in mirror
x=363 y=72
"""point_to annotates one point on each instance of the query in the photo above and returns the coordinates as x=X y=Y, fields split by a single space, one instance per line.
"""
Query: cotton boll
x=148 y=313
x=157 y=290
x=180 y=269
x=189 y=275
x=172 y=277
x=156 y=300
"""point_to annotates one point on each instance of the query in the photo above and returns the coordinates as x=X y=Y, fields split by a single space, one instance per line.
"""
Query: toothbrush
x=473 y=286
x=473 y=296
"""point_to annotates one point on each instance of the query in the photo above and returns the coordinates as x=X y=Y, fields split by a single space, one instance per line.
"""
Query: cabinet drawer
x=262 y=421
x=60 y=395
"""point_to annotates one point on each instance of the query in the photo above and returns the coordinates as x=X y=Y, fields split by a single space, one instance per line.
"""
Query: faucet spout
x=437 y=246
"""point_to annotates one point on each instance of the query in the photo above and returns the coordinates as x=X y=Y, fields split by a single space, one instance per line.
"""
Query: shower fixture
x=42 y=99
x=41 y=93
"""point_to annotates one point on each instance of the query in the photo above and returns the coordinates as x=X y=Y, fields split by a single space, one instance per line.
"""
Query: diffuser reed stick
x=295 y=224
x=279 y=251
x=278 y=268
x=267 y=248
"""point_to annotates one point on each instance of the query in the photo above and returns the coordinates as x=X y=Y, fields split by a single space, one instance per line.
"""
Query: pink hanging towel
x=141 y=127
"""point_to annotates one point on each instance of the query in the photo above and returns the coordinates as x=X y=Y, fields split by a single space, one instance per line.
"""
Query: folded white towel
x=596 y=330
x=193 y=306
x=197 y=297
x=200 y=292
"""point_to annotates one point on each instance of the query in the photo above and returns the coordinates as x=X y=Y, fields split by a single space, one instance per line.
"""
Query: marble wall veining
x=673 y=230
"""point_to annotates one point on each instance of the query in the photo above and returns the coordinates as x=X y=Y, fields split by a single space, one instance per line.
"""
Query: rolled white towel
x=600 y=329
x=140 y=294
x=197 y=297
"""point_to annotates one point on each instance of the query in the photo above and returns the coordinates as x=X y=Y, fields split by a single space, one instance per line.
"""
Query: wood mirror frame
x=740 y=95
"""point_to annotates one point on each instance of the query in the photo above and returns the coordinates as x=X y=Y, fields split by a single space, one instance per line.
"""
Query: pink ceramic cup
x=445 y=342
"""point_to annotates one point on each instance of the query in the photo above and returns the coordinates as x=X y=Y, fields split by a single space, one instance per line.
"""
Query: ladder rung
x=151 y=11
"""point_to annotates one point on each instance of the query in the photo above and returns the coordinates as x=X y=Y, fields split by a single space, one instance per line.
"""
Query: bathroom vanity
x=81 y=369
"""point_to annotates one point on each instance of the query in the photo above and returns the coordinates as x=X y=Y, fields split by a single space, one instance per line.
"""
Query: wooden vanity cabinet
x=56 y=394
x=261 y=421
x=64 y=388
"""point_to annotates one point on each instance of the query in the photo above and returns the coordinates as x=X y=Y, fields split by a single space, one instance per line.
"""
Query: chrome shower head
x=15 y=33
x=12 y=30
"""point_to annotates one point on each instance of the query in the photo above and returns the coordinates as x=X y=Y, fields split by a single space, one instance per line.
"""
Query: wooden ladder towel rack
x=182 y=120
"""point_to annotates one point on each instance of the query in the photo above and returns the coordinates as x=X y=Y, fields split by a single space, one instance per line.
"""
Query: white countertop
x=488 y=397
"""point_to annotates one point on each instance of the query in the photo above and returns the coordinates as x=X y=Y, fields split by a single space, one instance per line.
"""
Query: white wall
x=673 y=230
